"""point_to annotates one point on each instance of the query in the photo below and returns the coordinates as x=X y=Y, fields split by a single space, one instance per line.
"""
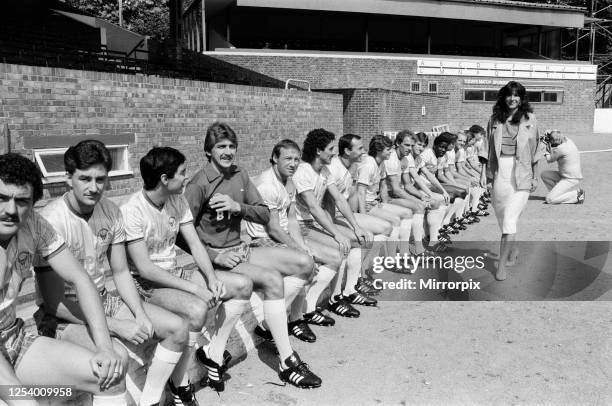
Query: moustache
x=12 y=219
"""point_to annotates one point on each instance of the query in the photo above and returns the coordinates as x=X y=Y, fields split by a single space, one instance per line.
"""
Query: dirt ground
x=433 y=352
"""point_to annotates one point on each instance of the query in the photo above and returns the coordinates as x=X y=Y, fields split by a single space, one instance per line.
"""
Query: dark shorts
x=266 y=242
x=15 y=341
x=145 y=287
x=50 y=326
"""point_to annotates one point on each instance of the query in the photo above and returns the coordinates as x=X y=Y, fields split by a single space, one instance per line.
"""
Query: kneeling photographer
x=564 y=184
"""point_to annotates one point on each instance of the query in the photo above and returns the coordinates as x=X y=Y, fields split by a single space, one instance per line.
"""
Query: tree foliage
x=146 y=17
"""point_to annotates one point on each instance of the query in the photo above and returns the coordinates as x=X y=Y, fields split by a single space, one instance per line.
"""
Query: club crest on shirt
x=172 y=222
x=103 y=234
x=24 y=261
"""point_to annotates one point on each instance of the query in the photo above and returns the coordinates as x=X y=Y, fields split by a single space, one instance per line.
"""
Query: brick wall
x=574 y=116
x=373 y=111
x=58 y=104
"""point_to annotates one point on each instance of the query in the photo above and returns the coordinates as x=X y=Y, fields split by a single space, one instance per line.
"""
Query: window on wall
x=415 y=87
x=51 y=162
x=432 y=87
x=533 y=95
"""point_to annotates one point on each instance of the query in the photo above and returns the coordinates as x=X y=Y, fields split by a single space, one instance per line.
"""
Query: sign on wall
x=519 y=70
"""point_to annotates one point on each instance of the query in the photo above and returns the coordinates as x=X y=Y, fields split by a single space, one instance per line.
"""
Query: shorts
x=51 y=326
x=145 y=287
x=373 y=204
x=266 y=242
x=15 y=341
x=243 y=250
x=306 y=226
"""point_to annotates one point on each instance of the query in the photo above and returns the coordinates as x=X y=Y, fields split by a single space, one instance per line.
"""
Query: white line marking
x=596 y=150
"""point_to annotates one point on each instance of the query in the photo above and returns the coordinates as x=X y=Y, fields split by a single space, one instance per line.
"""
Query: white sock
x=180 y=377
x=164 y=361
x=434 y=220
x=276 y=319
x=297 y=307
x=257 y=306
x=478 y=191
x=353 y=270
x=292 y=286
x=460 y=208
x=110 y=400
x=321 y=280
x=378 y=245
x=418 y=231
x=404 y=235
x=225 y=319
x=395 y=231
x=339 y=278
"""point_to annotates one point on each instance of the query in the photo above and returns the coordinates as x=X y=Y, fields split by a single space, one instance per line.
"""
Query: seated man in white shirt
x=312 y=180
x=564 y=184
x=94 y=231
x=372 y=195
x=436 y=162
x=154 y=218
x=282 y=230
x=28 y=359
x=350 y=154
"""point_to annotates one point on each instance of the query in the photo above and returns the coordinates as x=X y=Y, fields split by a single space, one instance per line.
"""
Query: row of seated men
x=312 y=216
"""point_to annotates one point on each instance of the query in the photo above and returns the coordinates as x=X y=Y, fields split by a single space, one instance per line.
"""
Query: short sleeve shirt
x=450 y=158
x=306 y=179
x=88 y=238
x=34 y=237
x=158 y=227
x=396 y=167
x=341 y=177
x=460 y=155
x=370 y=173
x=430 y=161
x=276 y=196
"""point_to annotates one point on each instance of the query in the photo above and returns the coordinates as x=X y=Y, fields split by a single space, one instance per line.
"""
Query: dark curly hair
x=159 y=161
x=378 y=143
x=316 y=140
x=18 y=170
x=501 y=111
x=85 y=154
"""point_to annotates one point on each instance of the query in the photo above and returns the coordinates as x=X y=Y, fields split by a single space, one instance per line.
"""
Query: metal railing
x=298 y=81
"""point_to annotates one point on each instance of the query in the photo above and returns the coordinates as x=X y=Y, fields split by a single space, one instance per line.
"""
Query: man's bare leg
x=54 y=362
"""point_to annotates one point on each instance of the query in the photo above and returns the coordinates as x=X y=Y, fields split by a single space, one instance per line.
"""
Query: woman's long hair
x=501 y=111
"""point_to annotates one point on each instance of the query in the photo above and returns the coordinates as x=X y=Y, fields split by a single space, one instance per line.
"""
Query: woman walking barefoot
x=510 y=156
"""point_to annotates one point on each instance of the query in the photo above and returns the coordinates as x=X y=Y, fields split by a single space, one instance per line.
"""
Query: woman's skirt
x=508 y=202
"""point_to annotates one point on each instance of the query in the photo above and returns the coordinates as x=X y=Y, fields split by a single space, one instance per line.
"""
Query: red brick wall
x=574 y=116
x=50 y=102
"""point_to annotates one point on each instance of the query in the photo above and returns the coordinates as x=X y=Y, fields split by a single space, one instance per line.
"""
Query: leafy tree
x=147 y=17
